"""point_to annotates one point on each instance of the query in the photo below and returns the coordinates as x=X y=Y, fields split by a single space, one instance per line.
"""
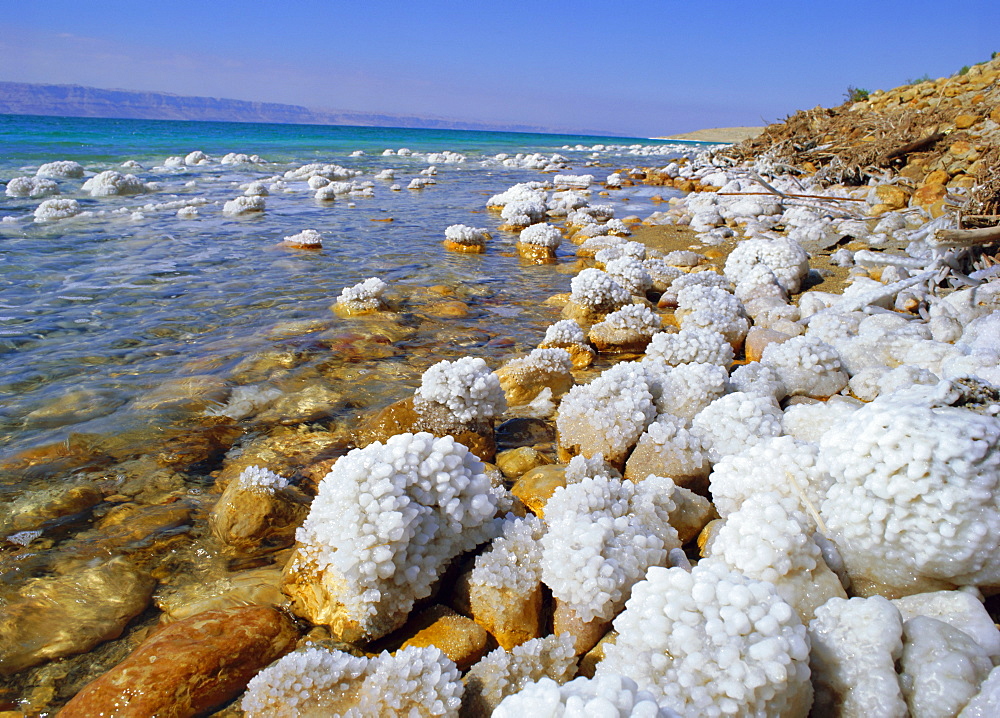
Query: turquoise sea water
x=104 y=314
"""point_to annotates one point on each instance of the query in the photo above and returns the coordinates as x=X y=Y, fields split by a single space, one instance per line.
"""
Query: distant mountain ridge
x=22 y=98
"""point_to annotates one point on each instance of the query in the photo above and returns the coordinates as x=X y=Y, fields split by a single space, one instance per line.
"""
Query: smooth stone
x=516 y=462
x=75 y=406
x=758 y=339
x=524 y=431
x=521 y=385
x=314 y=402
x=189 y=667
x=52 y=618
x=509 y=617
x=257 y=519
x=460 y=638
x=536 y=487
x=448 y=309
x=285 y=452
x=191 y=394
x=586 y=634
x=254 y=587
x=32 y=511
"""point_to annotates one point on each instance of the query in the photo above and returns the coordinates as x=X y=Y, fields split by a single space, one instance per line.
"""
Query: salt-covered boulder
x=669 y=448
x=807 y=366
x=258 y=512
x=61 y=169
x=363 y=298
x=385 y=523
x=111 y=183
x=567 y=334
x=689 y=345
x=243 y=205
x=959 y=609
x=523 y=379
x=462 y=238
x=684 y=390
x=735 y=421
x=539 y=241
x=306 y=239
x=594 y=294
x=33 y=187
x=628 y=329
x=783 y=256
x=630 y=273
x=609 y=696
x=52 y=210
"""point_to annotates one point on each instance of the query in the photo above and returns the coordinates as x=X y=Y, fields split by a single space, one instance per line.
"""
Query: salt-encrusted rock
x=706 y=279
x=630 y=273
x=460 y=639
x=689 y=345
x=986 y=703
x=855 y=646
x=608 y=415
x=385 y=522
x=462 y=238
x=306 y=239
x=52 y=210
x=783 y=256
x=758 y=339
x=522 y=213
x=712 y=642
x=243 y=205
x=628 y=329
x=607 y=695
x=189 y=667
x=110 y=183
x=736 y=421
x=770 y=538
x=32 y=187
x=942 y=667
x=686 y=389
x=514 y=463
x=51 y=618
x=755 y=378
x=362 y=298
x=669 y=448
x=958 y=609
x=62 y=168
x=539 y=241
x=523 y=379
x=505 y=595
x=661 y=273
x=320 y=681
x=567 y=334
x=258 y=512
x=614 y=248
x=708 y=307
x=913 y=506
x=806 y=366
x=594 y=295
x=504 y=673
x=462 y=393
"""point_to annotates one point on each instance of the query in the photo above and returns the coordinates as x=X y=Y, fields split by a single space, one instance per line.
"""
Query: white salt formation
x=111 y=183
x=630 y=274
x=736 y=421
x=55 y=209
x=386 y=521
x=307 y=239
x=686 y=389
x=806 y=366
x=627 y=329
x=243 y=205
x=606 y=696
x=32 y=187
x=320 y=681
x=598 y=290
x=363 y=297
x=465 y=388
x=67 y=169
x=783 y=256
x=689 y=345
x=466 y=236
x=260 y=478
x=541 y=235
x=668 y=447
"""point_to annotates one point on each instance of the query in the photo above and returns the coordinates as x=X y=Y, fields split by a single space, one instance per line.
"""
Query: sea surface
x=132 y=316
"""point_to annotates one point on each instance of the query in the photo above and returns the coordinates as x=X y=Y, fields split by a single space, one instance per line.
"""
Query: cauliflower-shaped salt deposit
x=627 y=329
x=783 y=256
x=461 y=237
x=608 y=415
x=608 y=696
x=243 y=205
x=466 y=388
x=597 y=290
x=736 y=421
x=306 y=239
x=523 y=379
x=261 y=479
x=31 y=187
x=541 y=235
x=807 y=366
x=712 y=642
x=63 y=168
x=669 y=448
x=755 y=378
x=630 y=273
x=603 y=533
x=53 y=209
x=686 y=389
x=319 y=681
x=522 y=213
x=563 y=332
x=110 y=183
x=525 y=191
x=365 y=296
x=914 y=503
x=662 y=274
x=689 y=345
x=386 y=521
x=855 y=646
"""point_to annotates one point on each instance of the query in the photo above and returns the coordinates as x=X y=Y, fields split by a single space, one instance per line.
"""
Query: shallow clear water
x=97 y=312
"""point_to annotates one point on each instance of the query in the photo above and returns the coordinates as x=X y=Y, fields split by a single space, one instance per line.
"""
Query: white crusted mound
x=62 y=169
x=598 y=290
x=608 y=415
x=712 y=642
x=573 y=181
x=959 y=609
x=110 y=183
x=914 y=503
x=525 y=191
x=541 y=235
x=632 y=324
x=262 y=479
x=386 y=521
x=243 y=205
x=689 y=345
x=463 y=234
x=514 y=559
x=606 y=696
x=305 y=238
x=503 y=673
x=54 y=209
x=755 y=378
x=855 y=646
x=365 y=296
x=565 y=331
x=686 y=389
x=736 y=421
x=707 y=307
x=783 y=256
x=702 y=279
x=807 y=366
x=613 y=248
x=32 y=187
x=465 y=387
x=669 y=448
x=986 y=703
x=522 y=213
x=630 y=273
x=603 y=533
x=320 y=681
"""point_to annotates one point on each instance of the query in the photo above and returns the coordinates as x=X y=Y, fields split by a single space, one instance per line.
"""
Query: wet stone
x=524 y=432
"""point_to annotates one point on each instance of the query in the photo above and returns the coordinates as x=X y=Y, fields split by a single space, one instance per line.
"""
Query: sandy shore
x=717 y=134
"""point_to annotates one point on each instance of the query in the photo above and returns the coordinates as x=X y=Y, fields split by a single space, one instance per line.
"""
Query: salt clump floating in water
x=363 y=297
x=55 y=209
x=63 y=168
x=306 y=239
x=243 y=205
x=32 y=187
x=110 y=183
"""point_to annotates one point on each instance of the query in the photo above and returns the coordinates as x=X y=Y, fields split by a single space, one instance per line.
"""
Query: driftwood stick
x=964 y=237
x=789 y=194
x=915 y=146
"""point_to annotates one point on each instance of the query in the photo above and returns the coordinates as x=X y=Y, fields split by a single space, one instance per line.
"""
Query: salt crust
x=110 y=183
x=463 y=234
x=755 y=378
x=602 y=534
x=855 y=645
x=783 y=256
x=541 y=235
x=388 y=518
x=608 y=415
x=565 y=331
x=243 y=205
x=809 y=422
x=689 y=345
x=32 y=187
x=686 y=389
x=781 y=464
x=598 y=290
x=959 y=610
x=607 y=696
x=986 y=703
x=61 y=169
x=503 y=673
x=319 y=681
x=55 y=209
x=514 y=559
x=630 y=274
x=807 y=366
x=915 y=490
x=580 y=468
x=736 y=421
x=465 y=387
x=942 y=667
x=306 y=238
x=258 y=478
x=364 y=296
x=661 y=273
x=633 y=318
x=542 y=362
x=573 y=181
x=525 y=191
x=670 y=441
x=712 y=642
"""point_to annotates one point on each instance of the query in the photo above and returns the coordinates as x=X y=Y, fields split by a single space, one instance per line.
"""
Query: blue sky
x=642 y=68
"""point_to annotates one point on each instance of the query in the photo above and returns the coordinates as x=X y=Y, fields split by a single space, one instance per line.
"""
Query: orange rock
x=929 y=194
x=758 y=339
x=995 y=115
x=467 y=248
x=460 y=638
x=189 y=667
x=510 y=618
x=964 y=122
x=536 y=487
x=448 y=309
x=937 y=177
x=585 y=634
x=892 y=196
x=961 y=147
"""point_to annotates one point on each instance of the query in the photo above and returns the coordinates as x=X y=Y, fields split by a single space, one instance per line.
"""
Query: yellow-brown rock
x=465 y=248
x=964 y=122
x=514 y=463
x=253 y=587
x=707 y=535
x=536 y=487
x=256 y=519
x=585 y=634
x=759 y=338
x=536 y=253
x=522 y=380
x=937 y=177
x=461 y=639
x=929 y=194
x=892 y=196
x=995 y=114
x=589 y=661
x=510 y=618
x=448 y=309
x=189 y=667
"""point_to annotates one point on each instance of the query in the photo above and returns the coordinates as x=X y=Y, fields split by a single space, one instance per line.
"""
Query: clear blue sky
x=639 y=68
